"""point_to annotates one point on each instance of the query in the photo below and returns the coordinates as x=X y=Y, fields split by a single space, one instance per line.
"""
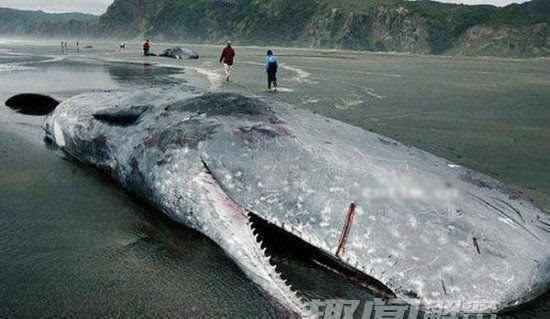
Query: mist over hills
x=38 y=23
x=422 y=26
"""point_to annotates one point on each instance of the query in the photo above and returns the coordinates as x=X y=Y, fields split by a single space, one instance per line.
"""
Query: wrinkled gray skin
x=206 y=161
x=179 y=53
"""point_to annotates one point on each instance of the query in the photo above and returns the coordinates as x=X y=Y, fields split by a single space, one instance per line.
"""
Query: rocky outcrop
x=125 y=18
x=507 y=41
x=382 y=29
x=400 y=30
x=329 y=30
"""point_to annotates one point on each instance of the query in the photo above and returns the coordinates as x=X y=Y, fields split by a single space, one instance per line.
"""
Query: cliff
x=422 y=26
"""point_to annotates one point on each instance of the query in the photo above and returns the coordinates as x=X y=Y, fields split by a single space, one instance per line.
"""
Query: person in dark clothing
x=228 y=58
x=146 y=47
x=271 y=66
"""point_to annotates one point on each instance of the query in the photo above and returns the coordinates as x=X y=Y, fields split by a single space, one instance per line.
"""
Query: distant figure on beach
x=77 y=47
x=122 y=46
x=228 y=58
x=146 y=47
x=271 y=66
x=62 y=47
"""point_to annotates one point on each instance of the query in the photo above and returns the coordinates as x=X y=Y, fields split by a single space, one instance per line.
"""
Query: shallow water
x=75 y=245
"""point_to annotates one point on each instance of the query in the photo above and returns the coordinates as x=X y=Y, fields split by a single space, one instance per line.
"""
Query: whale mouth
x=285 y=251
x=32 y=104
x=269 y=255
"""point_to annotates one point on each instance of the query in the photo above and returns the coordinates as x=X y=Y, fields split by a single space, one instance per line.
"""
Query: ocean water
x=73 y=244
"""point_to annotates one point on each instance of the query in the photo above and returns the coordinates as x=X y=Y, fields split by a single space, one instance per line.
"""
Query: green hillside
x=39 y=23
x=422 y=26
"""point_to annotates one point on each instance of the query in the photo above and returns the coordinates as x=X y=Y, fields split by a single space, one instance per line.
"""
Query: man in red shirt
x=146 y=47
x=227 y=58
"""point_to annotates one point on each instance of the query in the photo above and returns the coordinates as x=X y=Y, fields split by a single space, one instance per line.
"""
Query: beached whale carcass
x=179 y=53
x=427 y=229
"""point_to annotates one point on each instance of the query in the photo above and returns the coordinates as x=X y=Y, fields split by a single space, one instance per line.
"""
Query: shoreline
x=360 y=53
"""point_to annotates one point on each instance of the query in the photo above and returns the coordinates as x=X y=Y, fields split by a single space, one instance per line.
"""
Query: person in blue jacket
x=271 y=66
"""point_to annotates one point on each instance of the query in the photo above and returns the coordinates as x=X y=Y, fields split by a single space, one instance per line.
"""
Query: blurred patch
x=32 y=104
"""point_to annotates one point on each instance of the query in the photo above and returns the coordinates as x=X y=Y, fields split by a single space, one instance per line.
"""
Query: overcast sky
x=88 y=6
x=99 y=6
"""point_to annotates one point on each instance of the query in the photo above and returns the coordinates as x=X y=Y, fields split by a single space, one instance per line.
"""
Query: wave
x=214 y=78
x=13 y=67
x=24 y=65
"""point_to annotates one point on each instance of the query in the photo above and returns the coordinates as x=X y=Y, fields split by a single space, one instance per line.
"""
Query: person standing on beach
x=271 y=66
x=146 y=47
x=228 y=58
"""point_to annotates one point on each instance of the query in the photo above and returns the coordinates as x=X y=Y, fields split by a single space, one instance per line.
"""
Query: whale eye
x=32 y=104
